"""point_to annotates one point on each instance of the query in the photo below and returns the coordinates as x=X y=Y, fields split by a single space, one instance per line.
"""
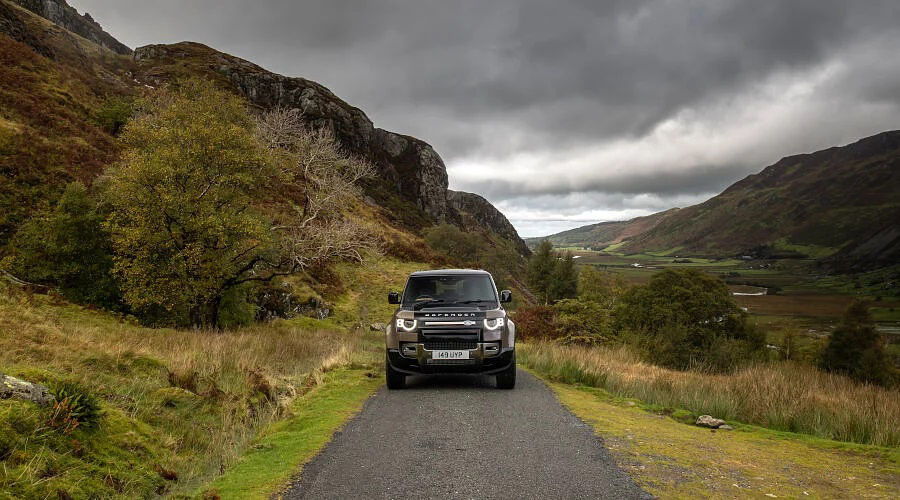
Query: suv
x=450 y=321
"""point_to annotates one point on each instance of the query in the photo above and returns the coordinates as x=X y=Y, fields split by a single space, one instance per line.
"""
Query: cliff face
x=475 y=212
x=411 y=167
x=60 y=13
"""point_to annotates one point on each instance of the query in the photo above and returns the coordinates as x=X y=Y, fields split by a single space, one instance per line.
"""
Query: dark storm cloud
x=485 y=81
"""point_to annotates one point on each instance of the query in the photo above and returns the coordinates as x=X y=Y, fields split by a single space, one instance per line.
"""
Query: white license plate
x=461 y=354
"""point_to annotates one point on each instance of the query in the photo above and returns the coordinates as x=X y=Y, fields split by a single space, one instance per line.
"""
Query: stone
x=710 y=421
x=725 y=427
x=377 y=327
x=14 y=388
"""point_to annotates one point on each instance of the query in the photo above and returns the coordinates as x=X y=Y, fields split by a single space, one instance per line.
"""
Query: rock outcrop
x=410 y=166
x=478 y=212
x=11 y=387
x=62 y=14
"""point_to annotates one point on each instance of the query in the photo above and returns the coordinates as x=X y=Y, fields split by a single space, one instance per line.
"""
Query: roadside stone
x=725 y=427
x=11 y=387
x=377 y=327
x=709 y=421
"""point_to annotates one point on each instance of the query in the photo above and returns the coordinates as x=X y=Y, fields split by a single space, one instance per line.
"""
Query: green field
x=801 y=301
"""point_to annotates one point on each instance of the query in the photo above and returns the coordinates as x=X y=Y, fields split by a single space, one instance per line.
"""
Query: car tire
x=393 y=378
x=507 y=378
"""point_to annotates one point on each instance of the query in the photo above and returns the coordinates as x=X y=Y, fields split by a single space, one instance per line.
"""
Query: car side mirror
x=505 y=296
x=393 y=298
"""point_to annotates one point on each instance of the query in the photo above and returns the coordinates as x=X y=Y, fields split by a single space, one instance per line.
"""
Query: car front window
x=450 y=290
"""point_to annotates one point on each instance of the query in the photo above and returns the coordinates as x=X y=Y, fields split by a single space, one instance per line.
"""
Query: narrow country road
x=459 y=437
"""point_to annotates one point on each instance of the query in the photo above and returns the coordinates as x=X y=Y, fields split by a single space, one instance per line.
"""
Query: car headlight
x=407 y=325
x=493 y=323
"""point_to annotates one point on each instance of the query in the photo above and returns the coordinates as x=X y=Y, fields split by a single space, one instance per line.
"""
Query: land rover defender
x=450 y=321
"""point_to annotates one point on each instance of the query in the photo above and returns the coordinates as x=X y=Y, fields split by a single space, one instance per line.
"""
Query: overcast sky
x=564 y=113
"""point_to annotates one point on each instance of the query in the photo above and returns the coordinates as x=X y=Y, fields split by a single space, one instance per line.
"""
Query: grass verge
x=285 y=446
x=673 y=460
x=782 y=396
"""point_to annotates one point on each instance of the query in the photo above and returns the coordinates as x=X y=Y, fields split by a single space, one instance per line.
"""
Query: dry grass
x=190 y=401
x=783 y=396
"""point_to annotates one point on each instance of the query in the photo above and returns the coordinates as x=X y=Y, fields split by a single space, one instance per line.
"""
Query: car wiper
x=424 y=303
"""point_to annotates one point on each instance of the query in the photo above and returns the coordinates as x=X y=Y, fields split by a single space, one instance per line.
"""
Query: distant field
x=800 y=299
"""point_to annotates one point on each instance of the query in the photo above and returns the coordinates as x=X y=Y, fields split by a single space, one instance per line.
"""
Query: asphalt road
x=460 y=437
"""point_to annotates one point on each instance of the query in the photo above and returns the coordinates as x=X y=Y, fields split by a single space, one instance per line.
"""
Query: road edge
x=284 y=447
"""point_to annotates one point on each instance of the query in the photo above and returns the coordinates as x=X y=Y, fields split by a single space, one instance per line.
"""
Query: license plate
x=460 y=354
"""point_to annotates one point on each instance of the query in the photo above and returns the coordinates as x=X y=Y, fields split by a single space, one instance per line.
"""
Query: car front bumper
x=487 y=358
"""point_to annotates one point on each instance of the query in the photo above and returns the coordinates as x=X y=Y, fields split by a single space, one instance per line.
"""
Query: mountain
x=61 y=14
x=603 y=234
x=49 y=137
x=840 y=205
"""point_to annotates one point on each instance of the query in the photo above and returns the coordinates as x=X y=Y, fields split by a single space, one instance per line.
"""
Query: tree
x=856 y=348
x=67 y=247
x=601 y=287
x=206 y=198
x=564 y=279
x=540 y=270
x=685 y=318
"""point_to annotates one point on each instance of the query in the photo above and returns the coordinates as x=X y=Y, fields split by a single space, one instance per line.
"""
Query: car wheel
x=394 y=379
x=507 y=378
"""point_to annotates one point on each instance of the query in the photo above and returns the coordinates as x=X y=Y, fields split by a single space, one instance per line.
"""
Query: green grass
x=811 y=251
x=672 y=459
x=285 y=446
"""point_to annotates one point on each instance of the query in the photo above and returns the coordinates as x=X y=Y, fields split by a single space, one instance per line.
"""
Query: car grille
x=450 y=345
x=452 y=361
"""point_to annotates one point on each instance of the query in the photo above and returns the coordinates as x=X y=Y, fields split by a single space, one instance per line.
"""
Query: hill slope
x=604 y=234
x=840 y=205
x=54 y=81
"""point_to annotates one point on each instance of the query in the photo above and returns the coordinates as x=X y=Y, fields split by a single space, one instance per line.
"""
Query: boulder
x=709 y=421
x=11 y=387
x=377 y=327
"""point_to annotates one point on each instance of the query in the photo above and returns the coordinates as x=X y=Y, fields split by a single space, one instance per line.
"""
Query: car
x=450 y=321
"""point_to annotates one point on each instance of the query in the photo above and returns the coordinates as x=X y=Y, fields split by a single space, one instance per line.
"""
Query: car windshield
x=449 y=290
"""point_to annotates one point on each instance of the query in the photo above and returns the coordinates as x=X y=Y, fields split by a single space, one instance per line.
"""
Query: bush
x=74 y=407
x=68 y=248
x=113 y=113
x=686 y=319
x=536 y=322
x=856 y=348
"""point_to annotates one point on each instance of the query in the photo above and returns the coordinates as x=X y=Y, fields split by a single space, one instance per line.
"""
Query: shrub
x=453 y=241
x=685 y=319
x=536 y=322
x=74 y=407
x=68 y=248
x=113 y=113
x=582 y=321
x=856 y=348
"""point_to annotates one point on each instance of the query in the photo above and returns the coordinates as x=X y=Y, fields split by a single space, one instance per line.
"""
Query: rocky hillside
x=412 y=183
x=840 y=205
x=61 y=14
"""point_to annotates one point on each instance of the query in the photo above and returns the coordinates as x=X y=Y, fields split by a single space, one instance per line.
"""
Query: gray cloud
x=719 y=87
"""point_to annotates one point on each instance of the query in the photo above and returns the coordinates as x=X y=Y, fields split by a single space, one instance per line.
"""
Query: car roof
x=450 y=272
